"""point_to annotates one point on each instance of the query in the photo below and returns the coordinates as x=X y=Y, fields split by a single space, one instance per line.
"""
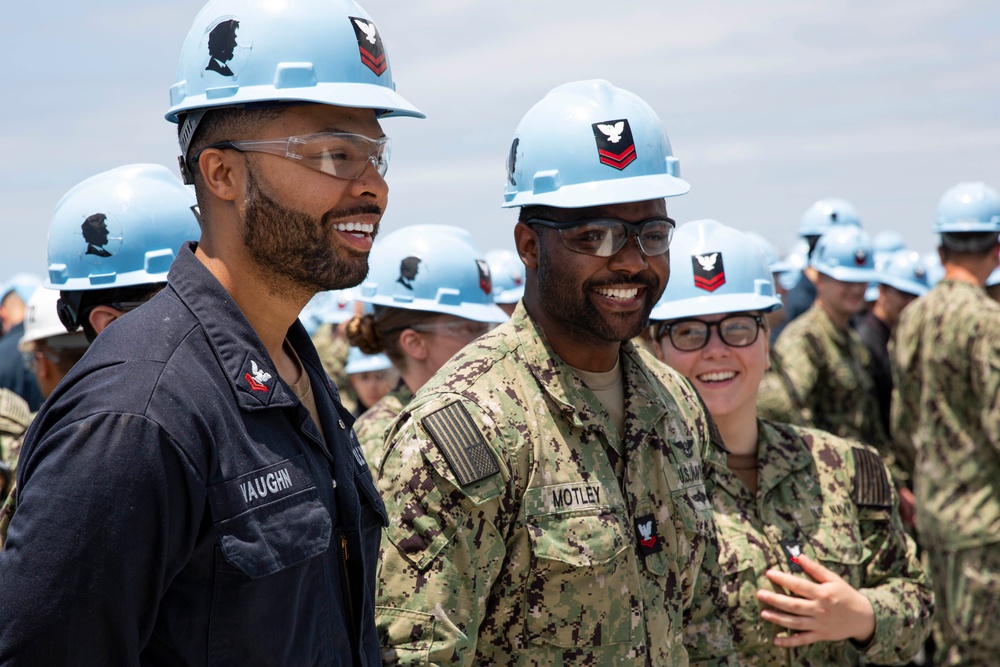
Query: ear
x=414 y=345
x=221 y=173
x=526 y=242
x=102 y=316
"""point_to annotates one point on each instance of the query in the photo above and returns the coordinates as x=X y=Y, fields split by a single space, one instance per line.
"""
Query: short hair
x=225 y=124
x=973 y=244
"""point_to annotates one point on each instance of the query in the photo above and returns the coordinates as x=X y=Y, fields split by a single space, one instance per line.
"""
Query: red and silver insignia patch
x=369 y=45
x=615 y=146
x=257 y=378
x=485 y=279
x=649 y=542
x=709 y=273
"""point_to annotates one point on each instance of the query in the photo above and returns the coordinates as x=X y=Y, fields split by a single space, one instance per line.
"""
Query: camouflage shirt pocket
x=741 y=562
x=579 y=572
x=839 y=547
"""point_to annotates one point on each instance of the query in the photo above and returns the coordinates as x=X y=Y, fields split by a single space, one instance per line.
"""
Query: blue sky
x=769 y=105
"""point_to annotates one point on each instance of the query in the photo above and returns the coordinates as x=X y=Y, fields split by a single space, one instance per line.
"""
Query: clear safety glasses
x=691 y=335
x=603 y=237
x=341 y=154
x=466 y=329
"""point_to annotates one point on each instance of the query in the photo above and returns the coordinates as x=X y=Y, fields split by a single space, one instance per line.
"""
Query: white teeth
x=618 y=293
x=355 y=227
x=720 y=376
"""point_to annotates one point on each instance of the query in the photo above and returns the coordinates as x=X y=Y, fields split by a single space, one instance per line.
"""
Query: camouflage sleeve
x=441 y=553
x=986 y=367
x=904 y=410
x=799 y=361
x=894 y=582
x=707 y=634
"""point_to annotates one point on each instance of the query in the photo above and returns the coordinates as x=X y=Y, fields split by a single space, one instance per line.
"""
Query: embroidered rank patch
x=709 y=272
x=615 y=146
x=871 y=483
x=458 y=438
x=649 y=542
x=793 y=549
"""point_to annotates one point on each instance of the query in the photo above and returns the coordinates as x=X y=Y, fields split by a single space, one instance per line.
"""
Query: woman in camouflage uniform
x=817 y=566
x=432 y=296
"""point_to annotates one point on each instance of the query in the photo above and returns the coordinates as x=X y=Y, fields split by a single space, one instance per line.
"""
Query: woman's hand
x=826 y=609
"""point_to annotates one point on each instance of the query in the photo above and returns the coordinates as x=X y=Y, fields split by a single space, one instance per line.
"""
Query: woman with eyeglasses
x=817 y=567
x=431 y=295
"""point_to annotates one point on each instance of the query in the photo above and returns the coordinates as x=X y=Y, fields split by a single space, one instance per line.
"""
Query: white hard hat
x=42 y=322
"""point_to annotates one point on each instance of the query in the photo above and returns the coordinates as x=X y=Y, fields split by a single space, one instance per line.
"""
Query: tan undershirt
x=745 y=467
x=302 y=388
x=610 y=390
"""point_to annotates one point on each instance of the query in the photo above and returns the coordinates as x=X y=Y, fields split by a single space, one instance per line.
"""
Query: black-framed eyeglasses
x=690 y=335
x=603 y=237
x=344 y=155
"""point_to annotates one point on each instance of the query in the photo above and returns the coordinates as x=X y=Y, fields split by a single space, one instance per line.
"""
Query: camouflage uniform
x=777 y=399
x=371 y=426
x=526 y=532
x=15 y=417
x=332 y=350
x=829 y=371
x=832 y=499
x=946 y=406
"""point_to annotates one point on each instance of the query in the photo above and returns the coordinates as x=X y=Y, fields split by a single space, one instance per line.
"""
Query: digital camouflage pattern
x=946 y=408
x=15 y=417
x=828 y=368
x=776 y=397
x=582 y=549
x=371 y=426
x=333 y=348
x=808 y=499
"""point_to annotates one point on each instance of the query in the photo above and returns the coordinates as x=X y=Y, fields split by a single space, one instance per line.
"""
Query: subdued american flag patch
x=458 y=438
x=871 y=483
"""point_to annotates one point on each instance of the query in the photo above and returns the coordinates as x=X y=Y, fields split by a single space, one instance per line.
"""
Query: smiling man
x=548 y=480
x=194 y=493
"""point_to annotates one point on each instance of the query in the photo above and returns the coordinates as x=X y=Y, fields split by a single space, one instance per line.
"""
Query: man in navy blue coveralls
x=193 y=492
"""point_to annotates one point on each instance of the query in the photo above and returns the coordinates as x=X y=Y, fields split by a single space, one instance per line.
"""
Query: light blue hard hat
x=329 y=307
x=826 y=212
x=260 y=52
x=431 y=268
x=968 y=207
x=715 y=269
x=906 y=272
x=844 y=252
x=507 y=271
x=589 y=143
x=22 y=284
x=774 y=261
x=359 y=362
x=119 y=228
x=888 y=241
x=935 y=271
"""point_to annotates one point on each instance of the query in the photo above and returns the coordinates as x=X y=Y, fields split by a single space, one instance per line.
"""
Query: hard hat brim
x=477 y=312
x=599 y=193
x=714 y=305
x=353 y=95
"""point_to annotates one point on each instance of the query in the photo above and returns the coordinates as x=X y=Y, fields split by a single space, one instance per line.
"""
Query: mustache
x=649 y=281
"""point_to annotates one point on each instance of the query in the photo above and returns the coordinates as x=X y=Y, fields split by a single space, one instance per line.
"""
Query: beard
x=564 y=299
x=290 y=246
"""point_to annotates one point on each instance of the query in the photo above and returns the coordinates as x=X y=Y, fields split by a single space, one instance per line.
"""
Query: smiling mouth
x=355 y=228
x=618 y=293
x=718 y=376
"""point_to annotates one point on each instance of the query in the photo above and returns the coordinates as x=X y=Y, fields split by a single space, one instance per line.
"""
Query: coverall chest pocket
x=270 y=519
x=577 y=589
